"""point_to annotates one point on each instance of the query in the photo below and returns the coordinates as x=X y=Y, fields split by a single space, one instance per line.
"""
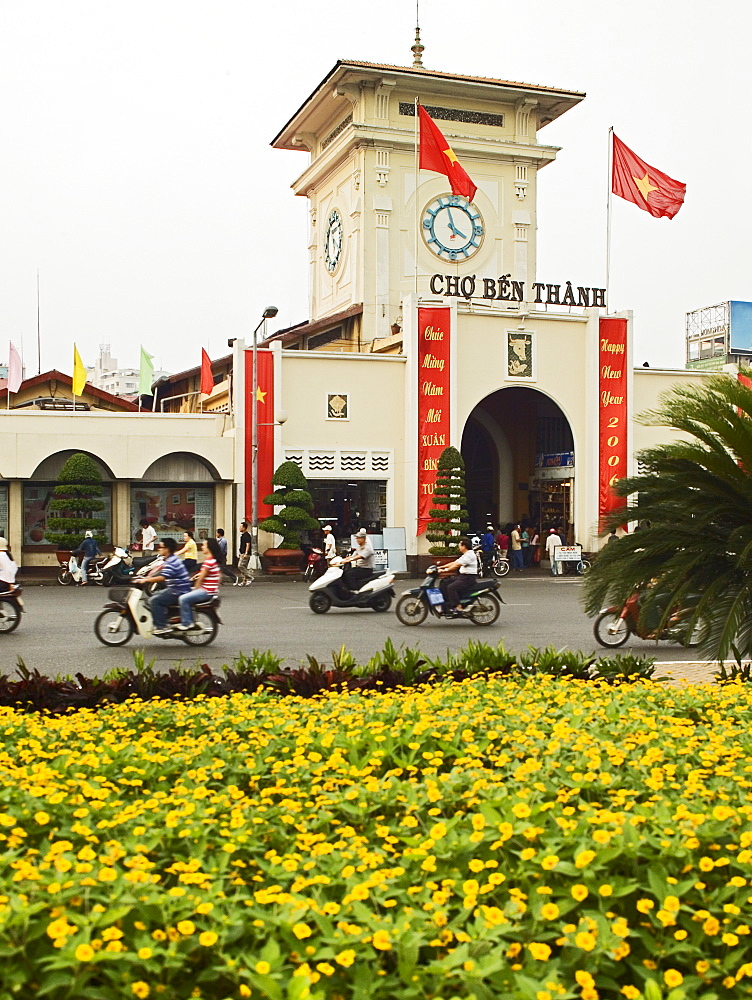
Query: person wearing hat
x=8 y=568
x=90 y=550
x=330 y=544
x=365 y=555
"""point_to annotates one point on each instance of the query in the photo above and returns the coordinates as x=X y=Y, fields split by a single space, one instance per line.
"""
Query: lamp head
x=270 y=312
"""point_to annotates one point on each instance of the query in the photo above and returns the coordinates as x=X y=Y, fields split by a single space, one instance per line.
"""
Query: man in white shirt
x=552 y=543
x=365 y=556
x=8 y=568
x=467 y=566
x=330 y=545
x=148 y=536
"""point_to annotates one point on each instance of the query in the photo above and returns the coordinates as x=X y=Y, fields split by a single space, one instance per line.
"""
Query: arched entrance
x=518 y=450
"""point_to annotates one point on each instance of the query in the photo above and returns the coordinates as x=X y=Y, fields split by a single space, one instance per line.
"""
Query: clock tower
x=380 y=228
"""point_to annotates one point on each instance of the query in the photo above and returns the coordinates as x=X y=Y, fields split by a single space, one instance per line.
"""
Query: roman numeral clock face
x=452 y=227
x=333 y=241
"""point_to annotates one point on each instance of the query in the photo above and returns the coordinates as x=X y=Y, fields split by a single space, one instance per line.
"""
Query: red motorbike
x=315 y=564
x=614 y=625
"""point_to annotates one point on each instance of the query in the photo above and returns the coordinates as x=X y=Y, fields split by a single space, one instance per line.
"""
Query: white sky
x=136 y=173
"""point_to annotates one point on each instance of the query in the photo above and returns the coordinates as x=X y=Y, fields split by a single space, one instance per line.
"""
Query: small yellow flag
x=79 y=373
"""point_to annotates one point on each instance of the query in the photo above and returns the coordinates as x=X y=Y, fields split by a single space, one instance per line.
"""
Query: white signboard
x=568 y=553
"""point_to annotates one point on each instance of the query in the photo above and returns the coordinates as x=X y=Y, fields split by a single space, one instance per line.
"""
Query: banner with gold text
x=434 y=331
x=264 y=403
x=612 y=431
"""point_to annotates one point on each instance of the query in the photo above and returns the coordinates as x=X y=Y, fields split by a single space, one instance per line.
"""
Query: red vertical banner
x=434 y=429
x=264 y=403
x=612 y=430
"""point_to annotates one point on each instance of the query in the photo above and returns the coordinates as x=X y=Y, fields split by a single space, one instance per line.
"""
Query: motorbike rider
x=467 y=575
x=487 y=545
x=8 y=568
x=89 y=548
x=365 y=555
x=173 y=574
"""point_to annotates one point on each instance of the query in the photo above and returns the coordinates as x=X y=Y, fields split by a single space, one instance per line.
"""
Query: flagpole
x=608 y=217
x=417 y=203
x=39 y=336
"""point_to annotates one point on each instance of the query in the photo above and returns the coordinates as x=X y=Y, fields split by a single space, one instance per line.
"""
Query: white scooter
x=128 y=613
x=331 y=590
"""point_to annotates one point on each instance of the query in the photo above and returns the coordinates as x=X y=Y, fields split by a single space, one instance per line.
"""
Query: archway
x=518 y=449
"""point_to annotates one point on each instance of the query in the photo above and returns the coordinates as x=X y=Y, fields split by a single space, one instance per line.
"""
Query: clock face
x=452 y=227
x=333 y=240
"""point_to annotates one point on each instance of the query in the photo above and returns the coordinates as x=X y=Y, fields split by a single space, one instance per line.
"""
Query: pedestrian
x=487 y=545
x=8 y=568
x=535 y=548
x=224 y=569
x=205 y=585
x=467 y=575
x=148 y=536
x=552 y=543
x=330 y=544
x=502 y=540
x=173 y=573
x=245 y=576
x=526 y=550
x=517 y=549
x=88 y=549
x=189 y=552
x=613 y=537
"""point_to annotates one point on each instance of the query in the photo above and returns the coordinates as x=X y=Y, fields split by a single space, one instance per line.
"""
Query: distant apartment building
x=106 y=375
x=720 y=335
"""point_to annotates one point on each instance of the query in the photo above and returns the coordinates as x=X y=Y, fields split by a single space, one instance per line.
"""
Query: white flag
x=15 y=372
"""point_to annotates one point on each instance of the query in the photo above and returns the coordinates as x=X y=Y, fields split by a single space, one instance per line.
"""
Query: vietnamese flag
x=207 y=379
x=651 y=190
x=436 y=154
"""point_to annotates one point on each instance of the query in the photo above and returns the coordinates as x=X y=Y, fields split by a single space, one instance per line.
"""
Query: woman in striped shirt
x=205 y=585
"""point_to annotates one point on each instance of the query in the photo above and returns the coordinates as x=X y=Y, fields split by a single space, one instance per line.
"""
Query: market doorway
x=518 y=449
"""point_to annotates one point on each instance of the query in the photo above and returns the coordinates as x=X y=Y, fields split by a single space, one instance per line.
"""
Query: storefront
x=173 y=509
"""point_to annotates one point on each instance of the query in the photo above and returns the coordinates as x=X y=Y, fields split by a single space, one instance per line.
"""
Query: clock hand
x=452 y=226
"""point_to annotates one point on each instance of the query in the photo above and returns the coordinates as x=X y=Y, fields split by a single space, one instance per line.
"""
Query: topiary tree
x=297 y=506
x=449 y=521
x=77 y=498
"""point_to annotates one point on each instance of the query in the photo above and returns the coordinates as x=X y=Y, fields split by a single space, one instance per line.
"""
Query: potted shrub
x=449 y=518
x=291 y=494
x=77 y=499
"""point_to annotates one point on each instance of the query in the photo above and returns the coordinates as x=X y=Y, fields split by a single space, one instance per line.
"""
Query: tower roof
x=552 y=101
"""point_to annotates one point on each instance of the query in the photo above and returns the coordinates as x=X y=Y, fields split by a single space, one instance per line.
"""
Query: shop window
x=173 y=510
x=36 y=505
x=4 y=527
x=350 y=505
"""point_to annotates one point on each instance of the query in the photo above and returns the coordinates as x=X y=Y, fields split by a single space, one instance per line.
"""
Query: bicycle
x=499 y=563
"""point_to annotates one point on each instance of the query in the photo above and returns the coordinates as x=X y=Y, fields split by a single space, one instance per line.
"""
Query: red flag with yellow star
x=436 y=154
x=651 y=190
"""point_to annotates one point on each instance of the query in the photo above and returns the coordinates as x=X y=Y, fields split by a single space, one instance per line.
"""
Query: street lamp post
x=269 y=313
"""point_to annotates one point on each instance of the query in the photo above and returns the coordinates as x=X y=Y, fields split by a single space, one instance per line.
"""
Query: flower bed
x=506 y=838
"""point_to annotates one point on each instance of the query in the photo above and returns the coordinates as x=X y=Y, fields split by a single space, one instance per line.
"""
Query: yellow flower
x=585 y=940
x=140 y=989
x=301 y=931
x=244 y=990
x=382 y=941
x=475 y=865
x=346 y=958
x=325 y=969
x=186 y=927
x=540 y=952
x=109 y=875
x=584 y=978
x=478 y=822
x=549 y=862
x=711 y=926
x=672 y=978
x=437 y=831
x=207 y=939
x=579 y=892
x=262 y=968
x=84 y=953
x=672 y=904
x=702 y=967
x=645 y=905
x=606 y=890
x=630 y=992
x=706 y=864
x=550 y=911
x=41 y=817
x=583 y=859
x=521 y=810
x=144 y=953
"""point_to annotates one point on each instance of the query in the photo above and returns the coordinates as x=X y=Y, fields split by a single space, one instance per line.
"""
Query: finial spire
x=417 y=48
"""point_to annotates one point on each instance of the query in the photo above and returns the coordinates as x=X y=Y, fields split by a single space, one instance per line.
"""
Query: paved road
x=56 y=635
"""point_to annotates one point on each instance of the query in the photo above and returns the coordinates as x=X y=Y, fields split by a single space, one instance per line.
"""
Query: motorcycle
x=122 y=566
x=70 y=570
x=127 y=613
x=11 y=608
x=481 y=606
x=614 y=625
x=315 y=564
x=331 y=590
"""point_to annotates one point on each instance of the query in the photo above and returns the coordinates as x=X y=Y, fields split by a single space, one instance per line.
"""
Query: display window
x=350 y=505
x=36 y=505
x=173 y=509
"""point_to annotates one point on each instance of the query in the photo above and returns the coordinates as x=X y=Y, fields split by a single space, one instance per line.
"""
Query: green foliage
x=449 y=519
x=694 y=497
x=76 y=500
x=297 y=505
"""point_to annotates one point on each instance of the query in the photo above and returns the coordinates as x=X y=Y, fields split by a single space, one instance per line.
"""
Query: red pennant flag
x=207 y=379
x=651 y=190
x=436 y=154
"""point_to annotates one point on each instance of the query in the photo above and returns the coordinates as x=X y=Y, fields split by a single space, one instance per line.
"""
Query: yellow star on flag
x=261 y=395
x=644 y=186
x=450 y=155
